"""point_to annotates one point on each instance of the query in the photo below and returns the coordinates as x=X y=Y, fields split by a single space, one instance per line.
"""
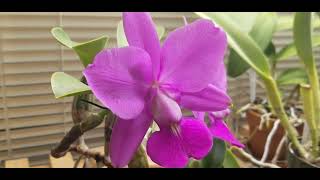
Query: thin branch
x=94 y=120
x=76 y=164
x=91 y=154
x=109 y=122
x=253 y=160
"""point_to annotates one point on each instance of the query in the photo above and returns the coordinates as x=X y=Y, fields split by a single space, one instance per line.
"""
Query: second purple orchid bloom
x=146 y=81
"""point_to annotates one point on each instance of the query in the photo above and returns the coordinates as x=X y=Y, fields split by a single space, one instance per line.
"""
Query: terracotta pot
x=294 y=161
x=258 y=139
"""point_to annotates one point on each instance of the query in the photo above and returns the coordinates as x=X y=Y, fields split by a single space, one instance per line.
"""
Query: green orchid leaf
x=86 y=51
x=61 y=36
x=261 y=32
x=160 y=31
x=285 y=22
x=64 y=85
x=263 y=29
x=194 y=164
x=236 y=66
x=242 y=43
x=244 y=20
x=215 y=157
x=121 y=37
x=230 y=160
x=290 y=50
x=292 y=76
x=302 y=32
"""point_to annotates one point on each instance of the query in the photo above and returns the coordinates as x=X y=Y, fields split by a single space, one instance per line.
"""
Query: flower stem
x=308 y=106
x=278 y=108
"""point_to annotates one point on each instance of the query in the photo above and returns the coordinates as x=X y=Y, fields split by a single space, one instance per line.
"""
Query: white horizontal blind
x=32 y=121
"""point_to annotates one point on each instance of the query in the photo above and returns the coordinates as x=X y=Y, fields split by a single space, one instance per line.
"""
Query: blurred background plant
x=253 y=48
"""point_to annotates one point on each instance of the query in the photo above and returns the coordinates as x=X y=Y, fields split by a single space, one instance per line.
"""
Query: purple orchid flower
x=218 y=127
x=145 y=81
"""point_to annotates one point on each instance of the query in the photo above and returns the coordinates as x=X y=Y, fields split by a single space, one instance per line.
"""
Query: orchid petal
x=209 y=99
x=220 y=130
x=199 y=115
x=141 y=32
x=165 y=149
x=126 y=137
x=191 y=54
x=170 y=148
x=197 y=139
x=119 y=78
x=220 y=80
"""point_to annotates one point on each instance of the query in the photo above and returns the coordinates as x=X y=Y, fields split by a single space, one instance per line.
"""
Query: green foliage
x=289 y=50
x=242 y=43
x=261 y=32
x=121 y=37
x=230 y=160
x=292 y=76
x=86 y=50
x=215 y=157
x=302 y=31
x=64 y=85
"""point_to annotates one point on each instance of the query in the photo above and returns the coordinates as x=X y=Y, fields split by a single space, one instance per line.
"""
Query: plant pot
x=294 y=161
x=259 y=137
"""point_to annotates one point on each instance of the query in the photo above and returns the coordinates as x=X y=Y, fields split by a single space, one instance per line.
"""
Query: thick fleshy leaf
x=64 y=85
x=165 y=110
x=160 y=31
x=220 y=130
x=230 y=160
x=289 y=50
x=216 y=156
x=121 y=37
x=261 y=32
x=242 y=43
x=196 y=137
x=120 y=78
x=293 y=76
x=209 y=99
x=141 y=32
x=165 y=149
x=60 y=35
x=244 y=20
x=302 y=32
x=191 y=54
x=86 y=50
x=126 y=137
x=285 y=22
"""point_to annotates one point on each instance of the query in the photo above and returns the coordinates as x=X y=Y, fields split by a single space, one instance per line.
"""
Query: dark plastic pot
x=294 y=161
